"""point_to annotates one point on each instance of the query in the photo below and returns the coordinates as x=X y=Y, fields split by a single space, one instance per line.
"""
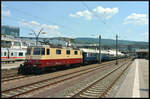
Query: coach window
x=11 y=54
x=48 y=52
x=20 y=54
x=58 y=51
x=15 y=53
x=75 y=52
x=42 y=51
x=5 y=54
x=68 y=52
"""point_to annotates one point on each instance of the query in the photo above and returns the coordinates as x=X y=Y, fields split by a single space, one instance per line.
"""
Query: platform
x=136 y=82
x=11 y=65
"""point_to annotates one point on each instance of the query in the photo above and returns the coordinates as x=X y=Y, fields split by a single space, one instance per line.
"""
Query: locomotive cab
x=32 y=62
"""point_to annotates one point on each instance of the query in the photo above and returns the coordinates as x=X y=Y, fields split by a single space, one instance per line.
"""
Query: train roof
x=17 y=49
x=111 y=52
x=48 y=46
x=93 y=50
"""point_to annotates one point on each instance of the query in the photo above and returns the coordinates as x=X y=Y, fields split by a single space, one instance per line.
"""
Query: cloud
x=106 y=13
x=51 y=30
x=85 y=14
x=138 y=19
x=50 y=26
x=35 y=23
x=100 y=12
x=3 y=6
x=6 y=13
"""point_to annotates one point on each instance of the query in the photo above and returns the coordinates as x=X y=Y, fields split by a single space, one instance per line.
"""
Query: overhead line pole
x=99 y=48
x=116 y=49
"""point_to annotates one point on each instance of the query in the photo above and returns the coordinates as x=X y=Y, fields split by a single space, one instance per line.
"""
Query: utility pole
x=116 y=49
x=99 y=48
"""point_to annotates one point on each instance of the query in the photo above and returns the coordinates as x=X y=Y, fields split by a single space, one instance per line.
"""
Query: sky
x=129 y=20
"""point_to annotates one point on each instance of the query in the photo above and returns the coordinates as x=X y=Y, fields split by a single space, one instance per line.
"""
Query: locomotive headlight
x=34 y=65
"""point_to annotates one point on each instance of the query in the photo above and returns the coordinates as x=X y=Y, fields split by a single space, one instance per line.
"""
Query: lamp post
x=37 y=35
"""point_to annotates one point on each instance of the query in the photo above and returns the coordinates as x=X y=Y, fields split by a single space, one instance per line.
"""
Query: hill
x=109 y=42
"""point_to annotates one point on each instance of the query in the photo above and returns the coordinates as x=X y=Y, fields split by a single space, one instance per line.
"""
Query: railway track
x=14 y=76
x=100 y=87
x=22 y=90
x=8 y=75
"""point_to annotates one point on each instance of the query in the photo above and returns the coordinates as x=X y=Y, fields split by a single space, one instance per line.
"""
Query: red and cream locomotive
x=40 y=58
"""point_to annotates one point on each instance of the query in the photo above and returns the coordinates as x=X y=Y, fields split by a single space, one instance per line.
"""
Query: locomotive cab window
x=75 y=52
x=68 y=52
x=58 y=51
x=47 y=51
x=42 y=51
x=39 y=51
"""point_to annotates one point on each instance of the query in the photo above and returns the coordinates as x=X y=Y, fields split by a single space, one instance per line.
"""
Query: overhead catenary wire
x=96 y=15
x=64 y=18
x=37 y=17
x=14 y=19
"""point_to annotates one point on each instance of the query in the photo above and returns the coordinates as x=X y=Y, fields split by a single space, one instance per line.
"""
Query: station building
x=142 y=53
x=12 y=31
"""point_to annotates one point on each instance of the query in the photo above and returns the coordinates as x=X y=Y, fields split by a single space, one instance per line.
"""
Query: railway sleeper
x=84 y=94
x=93 y=91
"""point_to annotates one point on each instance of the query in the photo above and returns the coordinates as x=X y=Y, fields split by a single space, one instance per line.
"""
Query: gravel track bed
x=40 y=77
x=74 y=89
x=8 y=72
x=72 y=84
x=29 y=87
x=28 y=80
x=113 y=91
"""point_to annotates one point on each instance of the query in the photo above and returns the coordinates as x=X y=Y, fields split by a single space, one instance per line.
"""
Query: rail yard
x=94 y=80
x=73 y=49
x=70 y=72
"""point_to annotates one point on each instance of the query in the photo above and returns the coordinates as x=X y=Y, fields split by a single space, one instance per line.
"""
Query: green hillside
x=108 y=42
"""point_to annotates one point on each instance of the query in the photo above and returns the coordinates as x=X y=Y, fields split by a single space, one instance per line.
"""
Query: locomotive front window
x=36 y=51
x=39 y=51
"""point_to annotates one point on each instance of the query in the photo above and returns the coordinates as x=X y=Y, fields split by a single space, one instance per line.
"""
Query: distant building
x=142 y=53
x=8 y=30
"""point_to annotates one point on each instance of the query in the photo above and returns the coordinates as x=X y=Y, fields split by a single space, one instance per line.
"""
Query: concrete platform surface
x=11 y=65
x=136 y=83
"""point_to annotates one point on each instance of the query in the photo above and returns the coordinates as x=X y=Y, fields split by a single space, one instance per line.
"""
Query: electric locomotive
x=39 y=58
